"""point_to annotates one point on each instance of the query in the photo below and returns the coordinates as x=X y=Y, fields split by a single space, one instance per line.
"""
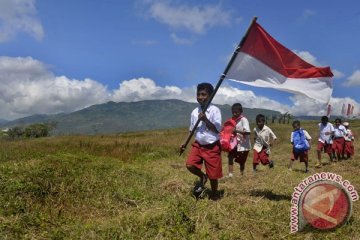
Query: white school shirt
x=262 y=137
x=349 y=136
x=325 y=133
x=243 y=139
x=203 y=135
x=307 y=135
x=339 y=131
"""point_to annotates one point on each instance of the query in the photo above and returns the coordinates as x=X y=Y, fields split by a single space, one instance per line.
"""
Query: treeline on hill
x=31 y=131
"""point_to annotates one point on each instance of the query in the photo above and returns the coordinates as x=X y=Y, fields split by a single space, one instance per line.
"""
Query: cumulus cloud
x=28 y=87
x=19 y=16
x=353 y=80
x=197 y=19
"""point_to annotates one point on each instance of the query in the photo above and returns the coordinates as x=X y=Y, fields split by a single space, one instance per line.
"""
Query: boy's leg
x=241 y=159
x=290 y=164
x=306 y=166
x=214 y=190
x=230 y=164
x=318 y=151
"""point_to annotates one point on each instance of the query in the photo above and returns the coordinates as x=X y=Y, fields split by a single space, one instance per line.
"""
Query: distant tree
x=16 y=132
x=273 y=118
x=37 y=130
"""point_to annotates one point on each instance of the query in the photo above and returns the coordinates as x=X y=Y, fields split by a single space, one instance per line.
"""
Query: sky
x=63 y=56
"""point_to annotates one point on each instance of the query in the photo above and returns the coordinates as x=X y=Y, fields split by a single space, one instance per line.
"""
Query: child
x=326 y=131
x=242 y=131
x=300 y=147
x=264 y=137
x=206 y=148
x=349 y=138
x=339 y=138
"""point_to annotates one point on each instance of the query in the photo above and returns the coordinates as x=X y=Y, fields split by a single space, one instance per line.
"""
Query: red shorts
x=338 y=145
x=239 y=157
x=210 y=155
x=349 y=148
x=327 y=147
x=304 y=156
x=261 y=157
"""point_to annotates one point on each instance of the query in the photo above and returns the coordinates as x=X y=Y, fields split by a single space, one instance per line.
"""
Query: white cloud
x=27 y=87
x=181 y=41
x=144 y=89
x=307 y=14
x=19 y=16
x=353 y=80
x=197 y=19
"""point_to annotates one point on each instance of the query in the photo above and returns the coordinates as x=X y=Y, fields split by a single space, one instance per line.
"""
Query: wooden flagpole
x=222 y=77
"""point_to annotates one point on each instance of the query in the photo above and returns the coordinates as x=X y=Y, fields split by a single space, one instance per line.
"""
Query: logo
x=323 y=201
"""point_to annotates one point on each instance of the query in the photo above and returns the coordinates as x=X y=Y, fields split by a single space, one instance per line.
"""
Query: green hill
x=114 y=117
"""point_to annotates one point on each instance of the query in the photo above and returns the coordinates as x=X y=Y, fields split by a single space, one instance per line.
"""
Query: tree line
x=31 y=131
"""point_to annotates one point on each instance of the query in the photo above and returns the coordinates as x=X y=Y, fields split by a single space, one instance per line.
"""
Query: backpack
x=300 y=142
x=228 y=140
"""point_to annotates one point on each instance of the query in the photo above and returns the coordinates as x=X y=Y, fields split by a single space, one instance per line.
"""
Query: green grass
x=135 y=186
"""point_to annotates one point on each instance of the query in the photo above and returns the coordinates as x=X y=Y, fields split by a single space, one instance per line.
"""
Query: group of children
x=207 y=148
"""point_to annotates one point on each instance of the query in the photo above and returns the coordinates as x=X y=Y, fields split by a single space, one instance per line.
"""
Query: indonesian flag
x=343 y=111
x=328 y=110
x=348 y=110
x=264 y=62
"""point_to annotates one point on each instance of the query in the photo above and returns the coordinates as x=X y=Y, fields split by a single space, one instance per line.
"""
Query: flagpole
x=222 y=77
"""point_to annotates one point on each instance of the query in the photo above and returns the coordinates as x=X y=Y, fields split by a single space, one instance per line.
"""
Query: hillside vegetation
x=135 y=186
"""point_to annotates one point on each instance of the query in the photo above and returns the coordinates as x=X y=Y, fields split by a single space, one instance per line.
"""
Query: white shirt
x=307 y=135
x=349 y=136
x=325 y=133
x=243 y=139
x=262 y=137
x=339 y=131
x=203 y=135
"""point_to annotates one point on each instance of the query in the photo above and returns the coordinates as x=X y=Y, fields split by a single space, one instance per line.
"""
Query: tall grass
x=135 y=186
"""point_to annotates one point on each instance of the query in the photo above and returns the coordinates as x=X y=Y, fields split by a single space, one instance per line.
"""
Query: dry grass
x=135 y=186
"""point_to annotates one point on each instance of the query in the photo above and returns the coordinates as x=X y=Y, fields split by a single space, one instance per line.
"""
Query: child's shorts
x=210 y=155
x=261 y=157
x=327 y=147
x=304 y=156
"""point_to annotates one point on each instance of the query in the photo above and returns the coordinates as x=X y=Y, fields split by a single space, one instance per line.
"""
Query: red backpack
x=228 y=140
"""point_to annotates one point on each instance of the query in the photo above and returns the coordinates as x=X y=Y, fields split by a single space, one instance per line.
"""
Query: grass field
x=135 y=186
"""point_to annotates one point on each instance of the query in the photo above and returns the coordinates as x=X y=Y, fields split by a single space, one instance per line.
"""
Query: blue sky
x=62 y=56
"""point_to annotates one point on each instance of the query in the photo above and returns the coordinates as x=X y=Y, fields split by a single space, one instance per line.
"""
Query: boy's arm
x=182 y=147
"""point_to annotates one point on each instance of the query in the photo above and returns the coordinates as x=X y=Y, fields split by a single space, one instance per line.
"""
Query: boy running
x=349 y=138
x=326 y=133
x=206 y=148
x=264 y=138
x=302 y=154
x=242 y=131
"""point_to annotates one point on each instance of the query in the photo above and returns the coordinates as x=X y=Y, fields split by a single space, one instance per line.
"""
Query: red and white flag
x=348 y=110
x=343 y=111
x=264 y=62
x=328 y=110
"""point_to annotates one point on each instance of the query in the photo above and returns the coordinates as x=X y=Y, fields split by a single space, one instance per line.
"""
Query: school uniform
x=349 y=146
x=262 y=145
x=241 y=151
x=303 y=156
x=325 y=139
x=339 y=139
x=206 y=149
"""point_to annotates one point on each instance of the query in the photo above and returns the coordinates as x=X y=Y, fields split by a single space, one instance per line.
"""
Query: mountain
x=114 y=117
x=2 y=121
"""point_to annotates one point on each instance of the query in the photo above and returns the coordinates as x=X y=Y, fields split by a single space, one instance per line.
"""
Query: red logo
x=325 y=205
